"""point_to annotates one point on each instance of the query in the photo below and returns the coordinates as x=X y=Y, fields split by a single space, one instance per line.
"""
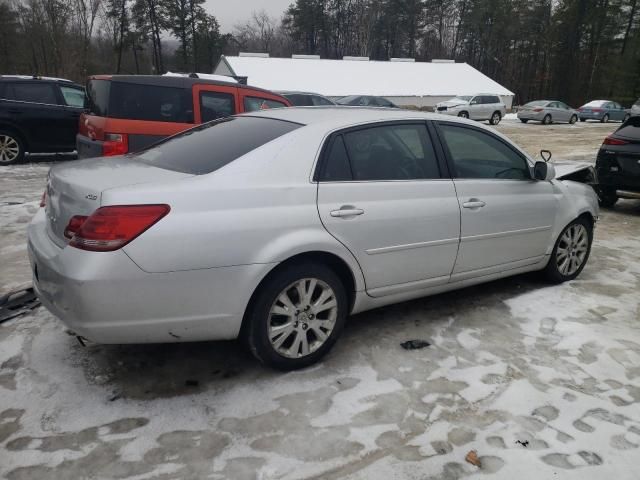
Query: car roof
x=30 y=78
x=296 y=92
x=170 y=81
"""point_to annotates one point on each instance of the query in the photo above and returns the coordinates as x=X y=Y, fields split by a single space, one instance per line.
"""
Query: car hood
x=565 y=168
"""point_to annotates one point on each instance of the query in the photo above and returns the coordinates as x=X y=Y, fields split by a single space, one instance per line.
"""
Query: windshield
x=536 y=103
x=595 y=103
x=210 y=146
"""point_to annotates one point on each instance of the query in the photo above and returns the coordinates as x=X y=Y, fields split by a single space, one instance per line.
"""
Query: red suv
x=127 y=113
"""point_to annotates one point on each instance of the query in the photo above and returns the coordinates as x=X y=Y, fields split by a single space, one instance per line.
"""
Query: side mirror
x=544 y=171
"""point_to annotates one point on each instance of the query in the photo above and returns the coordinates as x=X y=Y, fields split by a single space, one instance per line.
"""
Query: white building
x=403 y=81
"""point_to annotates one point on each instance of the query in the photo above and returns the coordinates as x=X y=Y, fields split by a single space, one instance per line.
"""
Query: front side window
x=32 y=92
x=476 y=154
x=254 y=104
x=210 y=146
x=476 y=101
x=388 y=152
x=214 y=105
x=73 y=97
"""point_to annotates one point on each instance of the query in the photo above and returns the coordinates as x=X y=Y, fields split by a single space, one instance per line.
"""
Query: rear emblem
x=91 y=196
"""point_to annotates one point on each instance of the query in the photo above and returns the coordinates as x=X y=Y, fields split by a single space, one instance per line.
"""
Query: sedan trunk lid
x=75 y=188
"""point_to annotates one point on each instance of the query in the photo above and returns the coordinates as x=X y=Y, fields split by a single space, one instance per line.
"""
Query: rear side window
x=150 y=102
x=630 y=129
x=320 y=101
x=98 y=96
x=476 y=154
x=389 y=152
x=214 y=105
x=299 y=100
x=208 y=147
x=74 y=97
x=32 y=92
x=253 y=104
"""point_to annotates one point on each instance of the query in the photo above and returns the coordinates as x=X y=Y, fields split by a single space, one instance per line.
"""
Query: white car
x=476 y=107
x=275 y=226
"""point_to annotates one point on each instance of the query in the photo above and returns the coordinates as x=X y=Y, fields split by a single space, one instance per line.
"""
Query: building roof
x=338 y=78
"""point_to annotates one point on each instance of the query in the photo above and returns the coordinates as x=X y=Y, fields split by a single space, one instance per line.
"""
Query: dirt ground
x=542 y=381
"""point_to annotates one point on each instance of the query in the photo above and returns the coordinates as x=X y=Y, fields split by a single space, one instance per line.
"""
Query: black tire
x=9 y=140
x=626 y=117
x=259 y=318
x=524 y=120
x=583 y=119
x=547 y=119
x=495 y=118
x=463 y=114
x=552 y=271
x=573 y=119
x=605 y=118
x=607 y=197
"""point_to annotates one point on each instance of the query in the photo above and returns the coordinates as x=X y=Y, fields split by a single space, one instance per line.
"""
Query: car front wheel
x=463 y=115
x=11 y=148
x=297 y=316
x=573 y=119
x=571 y=251
x=495 y=118
x=605 y=118
x=524 y=120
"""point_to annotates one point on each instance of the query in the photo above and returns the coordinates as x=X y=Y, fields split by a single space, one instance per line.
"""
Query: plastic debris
x=472 y=458
x=17 y=302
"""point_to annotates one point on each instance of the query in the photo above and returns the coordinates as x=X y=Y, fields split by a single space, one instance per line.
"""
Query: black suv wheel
x=11 y=148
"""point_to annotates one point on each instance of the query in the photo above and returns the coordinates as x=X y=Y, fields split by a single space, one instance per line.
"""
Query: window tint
x=336 y=166
x=476 y=154
x=74 y=97
x=253 y=104
x=150 y=102
x=630 y=129
x=210 y=146
x=391 y=152
x=214 y=105
x=33 y=92
x=319 y=101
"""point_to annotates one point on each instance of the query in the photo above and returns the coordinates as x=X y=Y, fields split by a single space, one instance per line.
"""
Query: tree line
x=573 y=50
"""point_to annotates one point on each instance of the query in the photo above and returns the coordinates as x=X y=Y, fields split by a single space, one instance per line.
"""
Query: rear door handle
x=474 y=203
x=347 y=211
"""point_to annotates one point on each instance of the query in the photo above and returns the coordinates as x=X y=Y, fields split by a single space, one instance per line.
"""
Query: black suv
x=38 y=115
x=618 y=164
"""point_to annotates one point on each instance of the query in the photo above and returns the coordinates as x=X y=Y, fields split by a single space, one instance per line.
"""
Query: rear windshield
x=134 y=101
x=630 y=129
x=595 y=103
x=210 y=146
x=536 y=103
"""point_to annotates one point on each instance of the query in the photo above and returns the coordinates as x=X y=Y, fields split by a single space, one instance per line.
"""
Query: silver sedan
x=275 y=226
x=547 y=112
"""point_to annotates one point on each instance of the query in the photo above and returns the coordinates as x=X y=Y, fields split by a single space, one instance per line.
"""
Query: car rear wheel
x=11 y=148
x=583 y=119
x=297 y=316
x=605 y=118
x=573 y=119
x=607 y=197
x=463 y=115
x=546 y=120
x=524 y=120
x=626 y=117
x=495 y=118
x=571 y=251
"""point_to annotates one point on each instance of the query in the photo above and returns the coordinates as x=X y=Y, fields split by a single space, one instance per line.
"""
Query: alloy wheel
x=496 y=118
x=302 y=318
x=9 y=149
x=572 y=249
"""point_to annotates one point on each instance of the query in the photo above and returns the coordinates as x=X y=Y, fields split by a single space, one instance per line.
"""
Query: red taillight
x=115 y=144
x=74 y=225
x=537 y=109
x=614 y=141
x=111 y=228
x=43 y=199
x=596 y=110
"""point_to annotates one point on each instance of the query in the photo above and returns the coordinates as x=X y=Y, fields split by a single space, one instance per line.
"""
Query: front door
x=506 y=216
x=381 y=195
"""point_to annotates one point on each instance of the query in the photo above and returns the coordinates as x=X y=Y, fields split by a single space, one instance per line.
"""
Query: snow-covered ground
x=542 y=381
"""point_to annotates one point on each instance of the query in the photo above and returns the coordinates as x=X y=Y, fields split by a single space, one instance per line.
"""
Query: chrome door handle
x=347 y=211
x=474 y=203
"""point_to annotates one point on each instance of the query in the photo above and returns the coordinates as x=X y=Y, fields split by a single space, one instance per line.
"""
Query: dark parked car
x=127 y=113
x=618 y=164
x=38 y=115
x=366 y=101
x=603 y=111
x=307 y=99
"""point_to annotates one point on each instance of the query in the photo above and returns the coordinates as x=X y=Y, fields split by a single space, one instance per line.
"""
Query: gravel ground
x=542 y=381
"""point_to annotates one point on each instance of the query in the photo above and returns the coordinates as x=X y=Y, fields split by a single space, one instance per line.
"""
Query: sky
x=231 y=12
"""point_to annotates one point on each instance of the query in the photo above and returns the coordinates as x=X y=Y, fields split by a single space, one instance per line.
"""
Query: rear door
x=506 y=216
x=381 y=194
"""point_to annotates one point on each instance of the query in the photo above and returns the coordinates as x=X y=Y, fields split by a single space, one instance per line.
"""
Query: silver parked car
x=547 y=112
x=476 y=107
x=276 y=225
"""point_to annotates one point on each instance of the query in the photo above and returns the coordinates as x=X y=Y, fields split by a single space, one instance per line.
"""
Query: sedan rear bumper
x=106 y=298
